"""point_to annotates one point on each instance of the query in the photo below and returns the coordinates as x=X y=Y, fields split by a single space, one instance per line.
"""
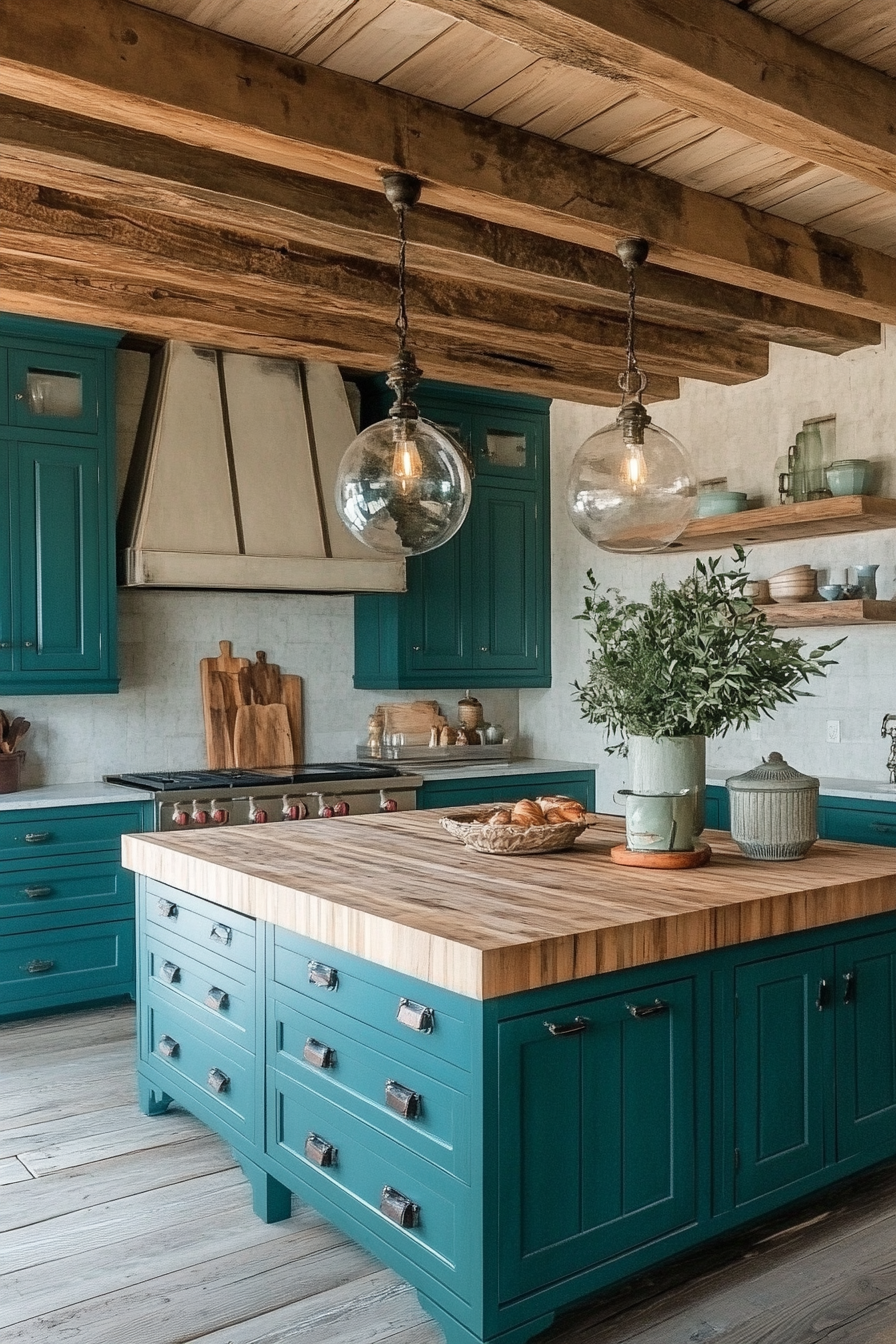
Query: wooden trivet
x=662 y=858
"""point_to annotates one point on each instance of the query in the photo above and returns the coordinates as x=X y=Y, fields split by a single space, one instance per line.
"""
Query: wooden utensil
x=229 y=667
x=265 y=679
x=17 y=730
x=291 y=696
x=261 y=737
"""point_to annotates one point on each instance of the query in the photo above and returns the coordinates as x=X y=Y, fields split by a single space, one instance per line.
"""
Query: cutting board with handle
x=262 y=737
x=265 y=680
x=411 y=718
x=291 y=696
x=227 y=698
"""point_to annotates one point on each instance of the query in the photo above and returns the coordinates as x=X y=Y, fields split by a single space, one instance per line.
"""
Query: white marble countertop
x=871 y=790
x=71 y=795
x=485 y=769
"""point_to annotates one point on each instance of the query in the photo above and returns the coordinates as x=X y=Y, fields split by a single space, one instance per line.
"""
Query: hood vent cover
x=231 y=483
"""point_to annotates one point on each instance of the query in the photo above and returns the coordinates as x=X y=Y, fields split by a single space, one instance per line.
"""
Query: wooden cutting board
x=291 y=696
x=265 y=680
x=412 y=717
x=261 y=737
x=228 y=690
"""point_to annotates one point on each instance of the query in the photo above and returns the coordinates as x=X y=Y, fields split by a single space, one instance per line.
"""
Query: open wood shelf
x=860 y=611
x=789 y=522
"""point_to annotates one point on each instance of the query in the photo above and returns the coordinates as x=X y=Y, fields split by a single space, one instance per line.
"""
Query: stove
x=197 y=799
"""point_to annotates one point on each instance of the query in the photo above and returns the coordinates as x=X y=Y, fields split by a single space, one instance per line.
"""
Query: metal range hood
x=231 y=482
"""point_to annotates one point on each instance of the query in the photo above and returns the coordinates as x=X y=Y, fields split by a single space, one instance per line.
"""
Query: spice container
x=774 y=810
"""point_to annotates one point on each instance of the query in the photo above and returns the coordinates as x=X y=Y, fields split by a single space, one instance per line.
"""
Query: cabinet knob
x=37 y=893
x=483 y=648
x=29 y=643
x=403 y=1100
x=20 y=396
x=398 y=1208
x=416 y=647
x=321 y=1153
x=218 y=999
x=218 y=1080
x=168 y=1046
x=415 y=1015
x=169 y=972
x=38 y=967
x=320 y=1055
x=5 y=643
x=325 y=977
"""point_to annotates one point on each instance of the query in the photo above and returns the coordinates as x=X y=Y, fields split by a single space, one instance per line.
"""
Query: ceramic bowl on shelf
x=757 y=591
x=793 y=587
x=831 y=592
x=850 y=476
x=711 y=503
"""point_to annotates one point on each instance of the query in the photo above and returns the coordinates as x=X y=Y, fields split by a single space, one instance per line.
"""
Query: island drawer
x=216 y=1072
x=188 y=919
x=217 y=994
x=414 y=1109
x=50 y=832
x=366 y=1165
x=69 y=964
x=47 y=891
x=434 y=1021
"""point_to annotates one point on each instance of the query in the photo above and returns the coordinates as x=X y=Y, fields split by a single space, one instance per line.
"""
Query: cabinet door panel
x=508 y=447
x=866 y=1045
x=779 y=1086
x=440 y=628
x=55 y=391
x=7 y=568
x=597 y=1133
x=507 y=578
x=58 y=525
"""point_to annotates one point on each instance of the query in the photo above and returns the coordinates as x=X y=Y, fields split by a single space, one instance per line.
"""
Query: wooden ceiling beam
x=133 y=170
x=170 y=305
x=719 y=61
x=159 y=250
x=119 y=63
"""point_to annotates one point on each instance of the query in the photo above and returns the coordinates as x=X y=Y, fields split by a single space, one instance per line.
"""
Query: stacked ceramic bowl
x=796 y=584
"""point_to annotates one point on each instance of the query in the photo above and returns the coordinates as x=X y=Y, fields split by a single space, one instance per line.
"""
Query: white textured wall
x=739 y=432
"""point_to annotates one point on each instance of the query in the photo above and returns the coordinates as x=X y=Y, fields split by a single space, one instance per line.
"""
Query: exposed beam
x=119 y=63
x=131 y=169
x=47 y=287
x=719 y=61
x=160 y=250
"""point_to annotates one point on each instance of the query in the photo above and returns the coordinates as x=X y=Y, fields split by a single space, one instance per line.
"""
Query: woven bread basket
x=477 y=834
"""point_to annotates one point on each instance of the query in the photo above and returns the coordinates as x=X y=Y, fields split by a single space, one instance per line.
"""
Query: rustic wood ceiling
x=209 y=169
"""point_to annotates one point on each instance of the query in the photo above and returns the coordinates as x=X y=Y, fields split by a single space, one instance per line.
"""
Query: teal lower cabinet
x=506 y=789
x=66 y=907
x=512 y=1156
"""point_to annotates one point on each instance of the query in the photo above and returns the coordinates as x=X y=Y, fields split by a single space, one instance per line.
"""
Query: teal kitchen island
x=518 y=1080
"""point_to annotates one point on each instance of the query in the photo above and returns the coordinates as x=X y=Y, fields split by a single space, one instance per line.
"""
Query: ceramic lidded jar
x=774 y=810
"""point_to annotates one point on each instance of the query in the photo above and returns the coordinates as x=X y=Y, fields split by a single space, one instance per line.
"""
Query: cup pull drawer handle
x=398 y=1208
x=218 y=1080
x=36 y=837
x=325 y=977
x=321 y=1153
x=403 y=1100
x=221 y=933
x=849 y=987
x=169 y=972
x=168 y=1046
x=648 y=1009
x=37 y=893
x=167 y=909
x=415 y=1015
x=567 y=1028
x=218 y=999
x=38 y=967
x=320 y=1055
x=882 y=826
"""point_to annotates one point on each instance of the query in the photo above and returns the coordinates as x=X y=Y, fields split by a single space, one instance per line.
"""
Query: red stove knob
x=220 y=817
x=387 y=804
x=259 y=816
x=341 y=808
x=199 y=814
x=180 y=816
x=293 y=809
x=326 y=810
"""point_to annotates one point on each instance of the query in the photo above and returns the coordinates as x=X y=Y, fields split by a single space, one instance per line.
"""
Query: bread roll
x=571 y=811
x=553 y=800
x=554 y=816
x=499 y=818
x=526 y=813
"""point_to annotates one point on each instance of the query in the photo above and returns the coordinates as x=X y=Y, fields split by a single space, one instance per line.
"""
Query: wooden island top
x=399 y=891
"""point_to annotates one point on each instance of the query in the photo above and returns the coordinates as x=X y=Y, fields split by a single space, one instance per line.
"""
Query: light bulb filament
x=407 y=467
x=634 y=468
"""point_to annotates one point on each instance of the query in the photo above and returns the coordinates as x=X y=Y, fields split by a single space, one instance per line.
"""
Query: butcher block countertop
x=399 y=891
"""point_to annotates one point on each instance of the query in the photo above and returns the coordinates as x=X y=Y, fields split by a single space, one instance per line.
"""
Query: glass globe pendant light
x=403 y=486
x=632 y=487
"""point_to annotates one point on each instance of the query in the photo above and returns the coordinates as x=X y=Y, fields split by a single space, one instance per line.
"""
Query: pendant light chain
x=632 y=371
x=401 y=321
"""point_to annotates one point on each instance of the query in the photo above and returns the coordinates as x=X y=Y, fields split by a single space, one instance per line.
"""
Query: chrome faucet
x=890 y=719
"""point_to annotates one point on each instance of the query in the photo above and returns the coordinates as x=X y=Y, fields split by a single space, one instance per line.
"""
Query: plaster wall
x=739 y=432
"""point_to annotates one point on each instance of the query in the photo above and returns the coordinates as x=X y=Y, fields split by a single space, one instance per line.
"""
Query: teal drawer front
x=365 y=1164
x=190 y=920
x=218 y=995
x=577 y=784
x=871 y=826
x=47 y=832
x=217 y=1071
x=48 y=891
x=355 y=1077
x=65 y=964
x=295 y=961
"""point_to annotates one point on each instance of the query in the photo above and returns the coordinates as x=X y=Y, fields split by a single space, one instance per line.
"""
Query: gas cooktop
x=187 y=780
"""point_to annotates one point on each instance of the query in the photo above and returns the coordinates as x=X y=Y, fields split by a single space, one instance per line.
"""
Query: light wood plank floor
x=119 y=1229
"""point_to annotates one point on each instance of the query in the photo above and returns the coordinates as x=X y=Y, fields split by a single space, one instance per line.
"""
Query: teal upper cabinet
x=477 y=610
x=57 y=597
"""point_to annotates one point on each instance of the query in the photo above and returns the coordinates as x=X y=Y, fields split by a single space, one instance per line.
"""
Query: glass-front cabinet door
x=54 y=392
x=508 y=447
